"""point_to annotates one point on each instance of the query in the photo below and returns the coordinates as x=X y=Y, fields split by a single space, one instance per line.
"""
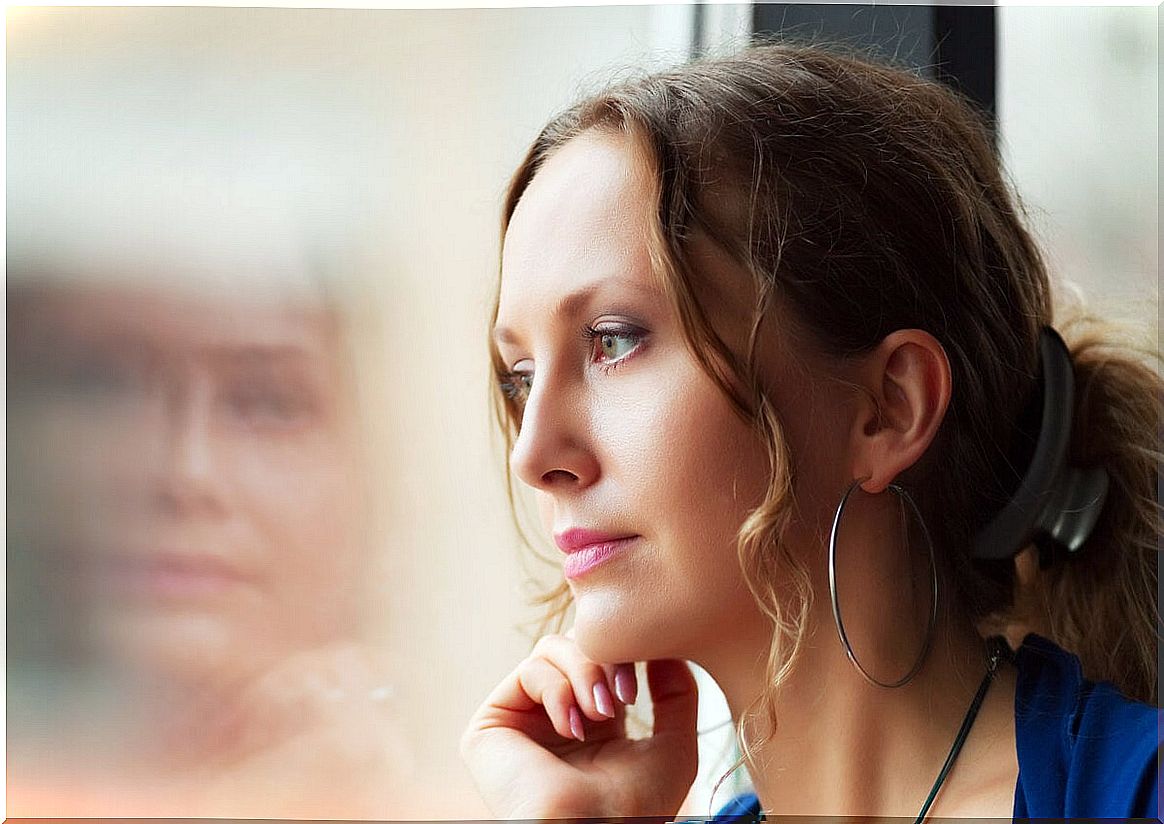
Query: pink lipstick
x=586 y=549
x=165 y=576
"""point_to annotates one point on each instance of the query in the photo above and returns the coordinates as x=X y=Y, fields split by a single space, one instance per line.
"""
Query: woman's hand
x=308 y=738
x=550 y=741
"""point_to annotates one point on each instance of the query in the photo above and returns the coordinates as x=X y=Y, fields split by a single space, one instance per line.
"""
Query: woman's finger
x=592 y=685
x=626 y=683
x=545 y=684
x=674 y=698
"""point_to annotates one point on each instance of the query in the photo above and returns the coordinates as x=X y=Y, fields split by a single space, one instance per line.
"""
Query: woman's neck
x=843 y=746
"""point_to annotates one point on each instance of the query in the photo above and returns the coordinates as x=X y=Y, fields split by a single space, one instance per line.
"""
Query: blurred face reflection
x=196 y=463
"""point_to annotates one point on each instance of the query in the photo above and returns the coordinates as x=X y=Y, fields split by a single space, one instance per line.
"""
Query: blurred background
x=260 y=556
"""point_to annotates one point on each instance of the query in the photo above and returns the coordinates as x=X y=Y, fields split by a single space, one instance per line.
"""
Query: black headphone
x=1056 y=506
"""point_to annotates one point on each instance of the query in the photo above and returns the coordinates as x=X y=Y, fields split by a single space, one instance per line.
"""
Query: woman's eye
x=616 y=346
x=611 y=345
x=516 y=385
x=93 y=378
x=99 y=376
x=262 y=405
x=266 y=405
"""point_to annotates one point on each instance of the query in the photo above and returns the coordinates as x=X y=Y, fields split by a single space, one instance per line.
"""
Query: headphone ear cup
x=1072 y=512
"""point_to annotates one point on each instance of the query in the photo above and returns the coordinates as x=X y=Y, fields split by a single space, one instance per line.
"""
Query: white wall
x=1079 y=116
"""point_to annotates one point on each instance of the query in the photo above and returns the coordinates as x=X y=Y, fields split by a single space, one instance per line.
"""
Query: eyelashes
x=610 y=344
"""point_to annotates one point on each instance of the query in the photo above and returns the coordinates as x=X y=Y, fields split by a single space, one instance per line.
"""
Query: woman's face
x=643 y=471
x=196 y=473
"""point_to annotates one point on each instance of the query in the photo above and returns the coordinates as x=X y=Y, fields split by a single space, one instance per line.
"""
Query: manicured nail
x=625 y=684
x=602 y=699
x=576 y=724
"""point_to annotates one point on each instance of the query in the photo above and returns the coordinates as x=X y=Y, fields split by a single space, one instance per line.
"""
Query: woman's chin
x=608 y=630
x=181 y=648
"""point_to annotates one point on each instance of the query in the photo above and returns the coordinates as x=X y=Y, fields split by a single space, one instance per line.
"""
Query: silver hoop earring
x=905 y=496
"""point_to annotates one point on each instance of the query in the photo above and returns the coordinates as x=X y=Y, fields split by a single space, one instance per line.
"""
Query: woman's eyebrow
x=567 y=305
x=502 y=334
x=255 y=354
x=573 y=303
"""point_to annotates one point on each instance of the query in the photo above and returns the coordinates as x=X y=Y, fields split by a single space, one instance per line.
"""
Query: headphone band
x=1056 y=506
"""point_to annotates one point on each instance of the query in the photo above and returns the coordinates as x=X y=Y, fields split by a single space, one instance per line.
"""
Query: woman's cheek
x=545 y=504
x=304 y=508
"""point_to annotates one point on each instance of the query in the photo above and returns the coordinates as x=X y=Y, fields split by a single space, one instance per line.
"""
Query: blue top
x=1083 y=749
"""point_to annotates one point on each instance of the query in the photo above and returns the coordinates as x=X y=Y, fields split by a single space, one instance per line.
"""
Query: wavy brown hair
x=864 y=199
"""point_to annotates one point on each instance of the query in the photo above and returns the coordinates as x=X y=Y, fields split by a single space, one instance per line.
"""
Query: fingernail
x=603 y=700
x=576 y=724
x=625 y=684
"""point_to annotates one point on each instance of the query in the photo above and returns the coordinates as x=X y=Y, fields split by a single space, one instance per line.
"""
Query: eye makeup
x=610 y=344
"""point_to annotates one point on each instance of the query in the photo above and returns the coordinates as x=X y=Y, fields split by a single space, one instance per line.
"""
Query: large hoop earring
x=836 y=601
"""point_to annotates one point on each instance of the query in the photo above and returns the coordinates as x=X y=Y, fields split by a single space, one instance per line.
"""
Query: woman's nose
x=189 y=478
x=554 y=450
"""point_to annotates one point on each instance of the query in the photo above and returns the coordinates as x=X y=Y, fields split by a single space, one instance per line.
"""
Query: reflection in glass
x=192 y=514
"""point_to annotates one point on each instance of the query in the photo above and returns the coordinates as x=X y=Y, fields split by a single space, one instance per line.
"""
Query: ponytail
x=1101 y=602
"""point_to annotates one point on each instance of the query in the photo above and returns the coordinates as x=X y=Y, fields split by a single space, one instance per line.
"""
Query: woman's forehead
x=594 y=183
x=585 y=218
x=585 y=223
x=166 y=320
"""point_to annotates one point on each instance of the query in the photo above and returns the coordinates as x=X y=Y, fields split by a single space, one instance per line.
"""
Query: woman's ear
x=907 y=387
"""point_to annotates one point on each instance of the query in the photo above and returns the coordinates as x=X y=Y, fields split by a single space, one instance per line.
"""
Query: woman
x=775 y=354
x=197 y=527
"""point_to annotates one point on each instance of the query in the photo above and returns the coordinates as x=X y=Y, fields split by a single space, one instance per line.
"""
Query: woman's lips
x=586 y=549
x=166 y=577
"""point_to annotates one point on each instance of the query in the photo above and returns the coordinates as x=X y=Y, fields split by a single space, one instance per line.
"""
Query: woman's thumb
x=674 y=698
